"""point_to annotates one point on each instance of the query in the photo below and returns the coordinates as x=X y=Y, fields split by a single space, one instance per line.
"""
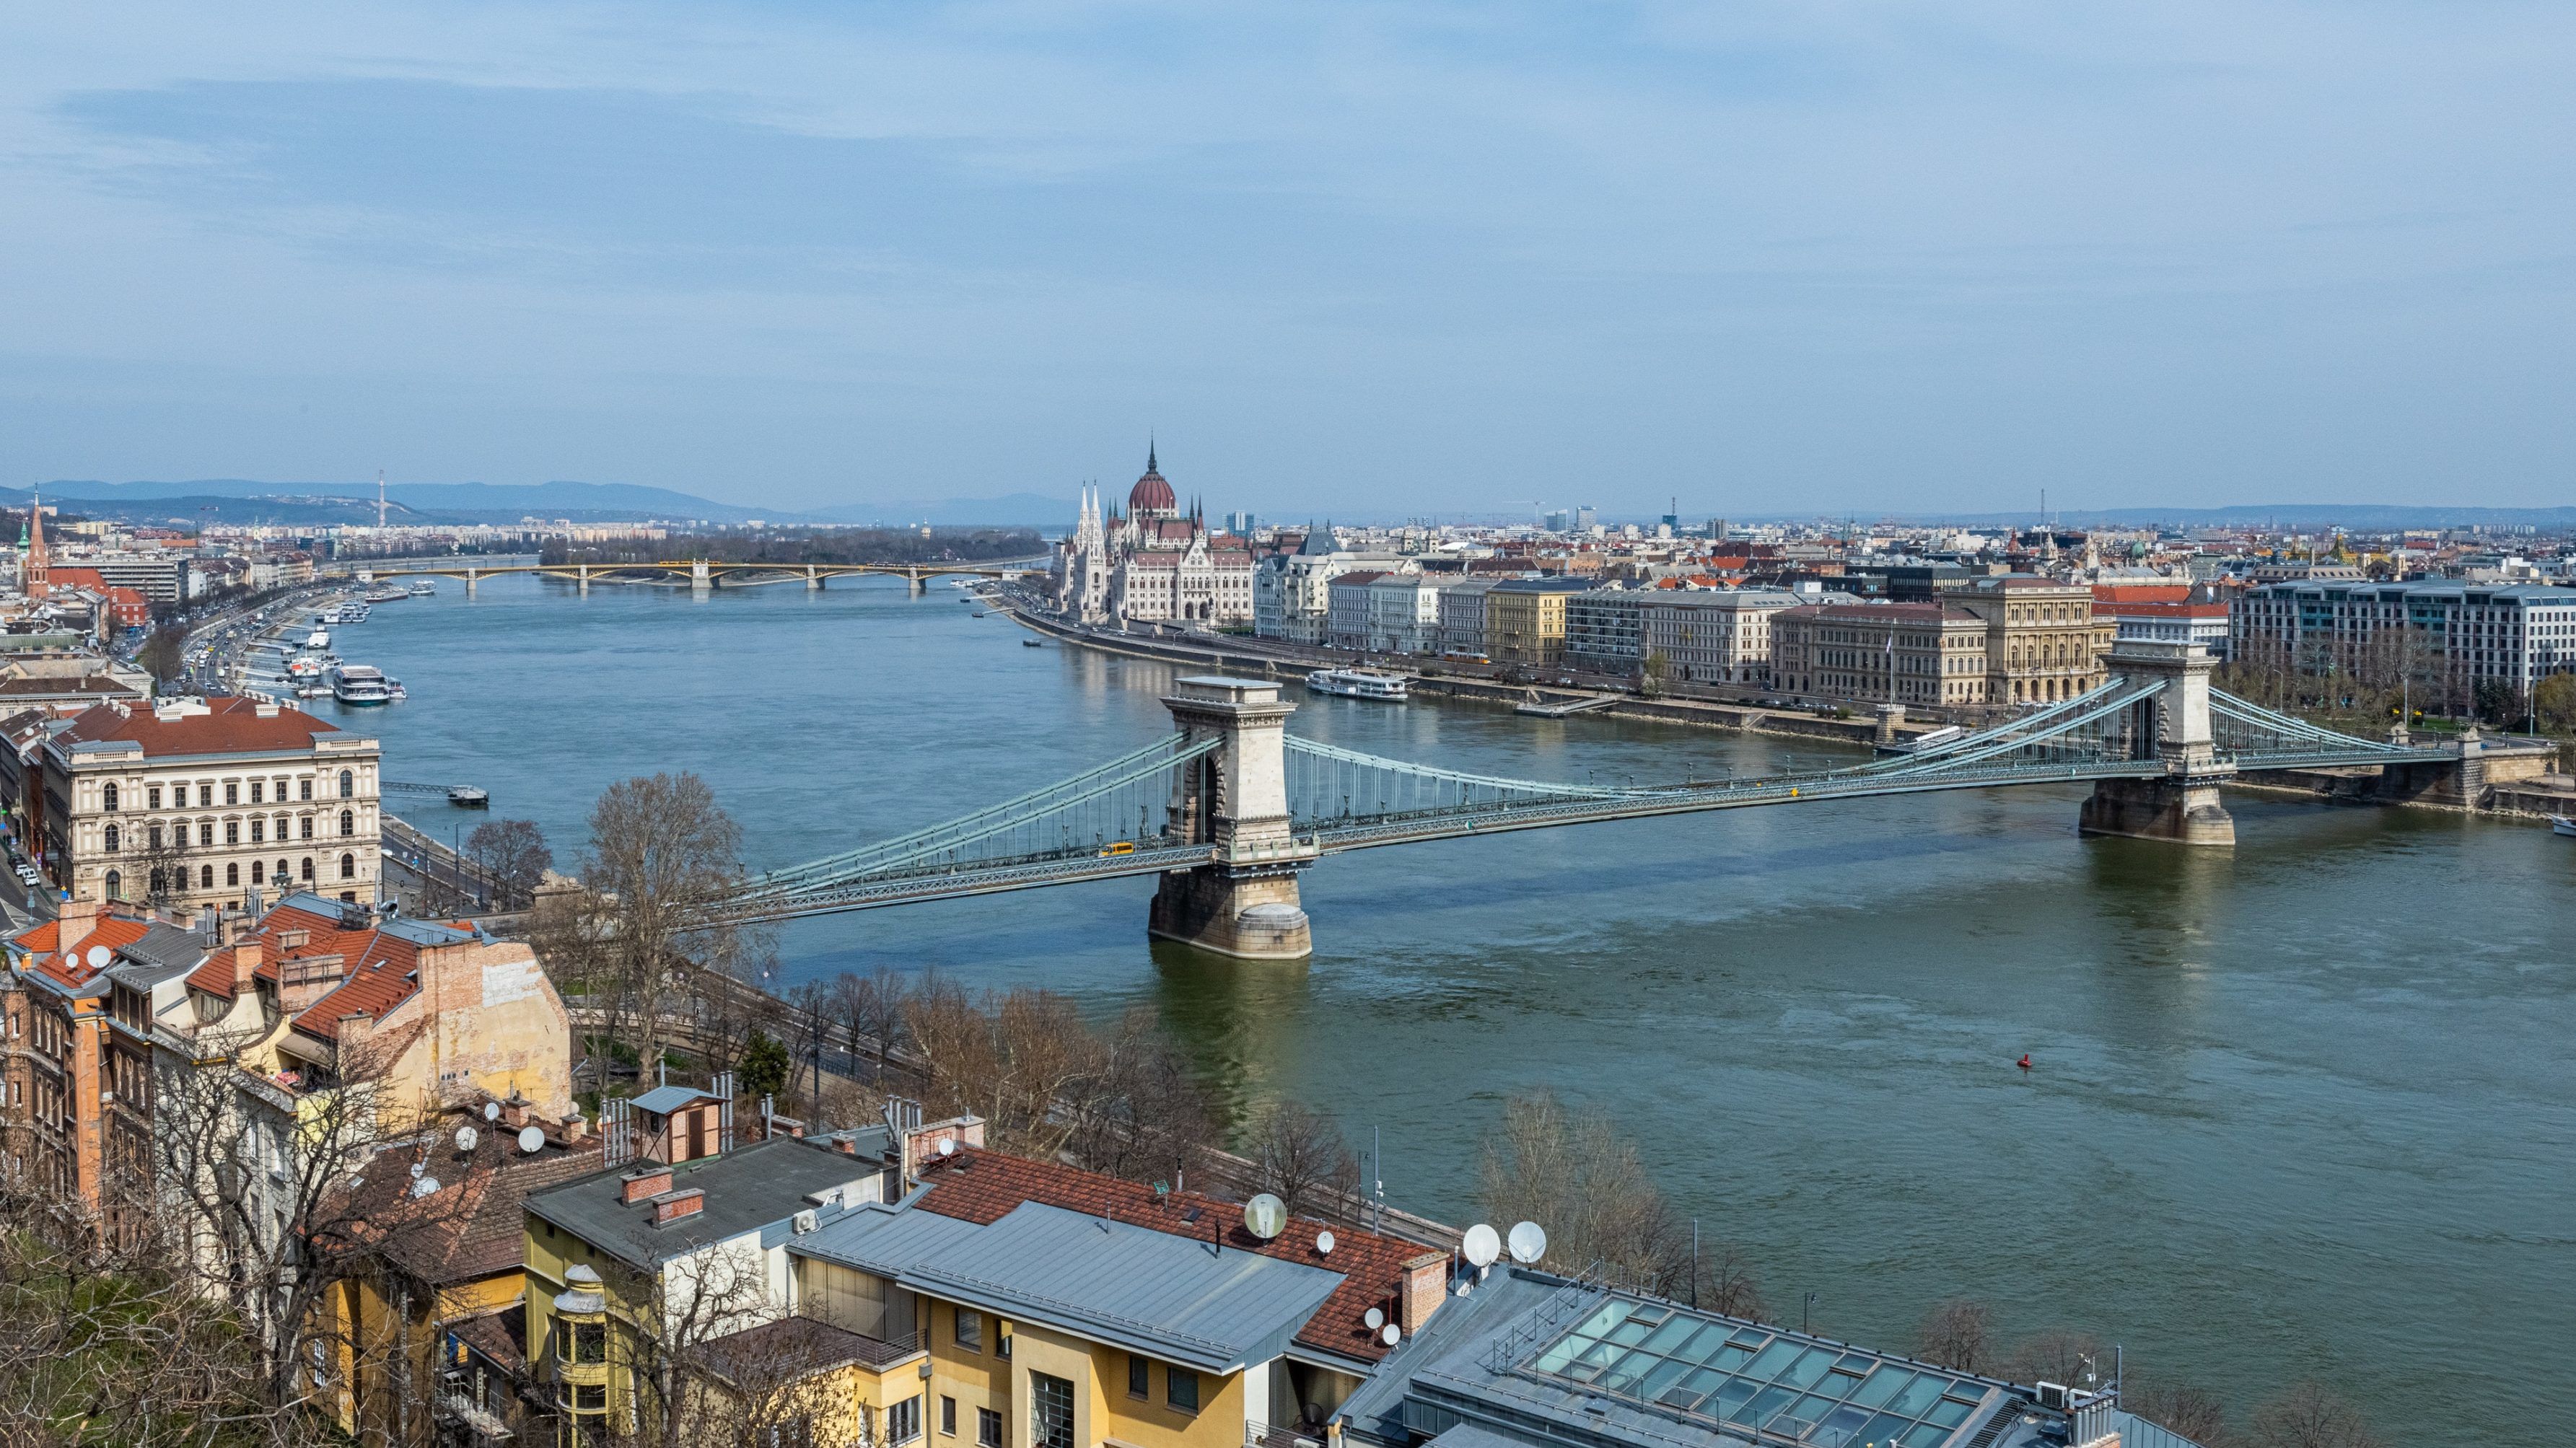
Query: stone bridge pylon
x=2172 y=725
x=1235 y=797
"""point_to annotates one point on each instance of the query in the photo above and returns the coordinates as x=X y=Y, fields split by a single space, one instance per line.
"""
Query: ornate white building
x=1154 y=565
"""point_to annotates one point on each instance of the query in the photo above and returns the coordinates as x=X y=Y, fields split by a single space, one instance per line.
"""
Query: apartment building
x=1525 y=620
x=2459 y=634
x=1712 y=636
x=1462 y=616
x=188 y=802
x=1404 y=613
x=1927 y=654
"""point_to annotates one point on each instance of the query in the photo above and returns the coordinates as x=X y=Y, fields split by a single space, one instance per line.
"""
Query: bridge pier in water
x=1235 y=797
x=2182 y=806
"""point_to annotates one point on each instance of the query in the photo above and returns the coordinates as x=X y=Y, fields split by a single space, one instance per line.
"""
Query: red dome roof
x=1151 y=494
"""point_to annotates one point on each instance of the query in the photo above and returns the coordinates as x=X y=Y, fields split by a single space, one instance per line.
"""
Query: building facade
x=2459 y=635
x=1525 y=621
x=1925 y=654
x=1462 y=616
x=1154 y=564
x=1713 y=636
x=189 y=802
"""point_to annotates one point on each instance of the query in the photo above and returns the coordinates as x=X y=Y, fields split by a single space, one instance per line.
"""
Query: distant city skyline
x=1338 y=260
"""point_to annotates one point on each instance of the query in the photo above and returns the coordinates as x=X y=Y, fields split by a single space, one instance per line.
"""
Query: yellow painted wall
x=1103 y=1410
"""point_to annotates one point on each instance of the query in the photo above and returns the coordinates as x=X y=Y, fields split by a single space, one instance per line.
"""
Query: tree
x=647 y=922
x=1954 y=1334
x=2308 y=1416
x=164 y=655
x=2195 y=1413
x=2554 y=700
x=512 y=854
x=870 y=1008
x=765 y=1067
x=1574 y=1173
x=1298 y=1155
x=2058 y=1355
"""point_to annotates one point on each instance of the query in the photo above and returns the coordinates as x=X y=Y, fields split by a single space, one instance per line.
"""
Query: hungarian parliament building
x=1152 y=564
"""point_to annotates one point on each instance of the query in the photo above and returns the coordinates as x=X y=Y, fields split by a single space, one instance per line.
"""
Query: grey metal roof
x=1515 y=1361
x=663 y=1100
x=1171 y=1297
x=748 y=1188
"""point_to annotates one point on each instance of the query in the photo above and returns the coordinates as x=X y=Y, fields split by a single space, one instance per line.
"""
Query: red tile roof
x=112 y=931
x=983 y=1186
x=230 y=726
x=379 y=971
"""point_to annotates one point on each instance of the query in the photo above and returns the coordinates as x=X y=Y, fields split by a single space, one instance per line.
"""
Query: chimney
x=77 y=918
x=670 y=1207
x=650 y=1182
x=246 y=961
x=1426 y=1286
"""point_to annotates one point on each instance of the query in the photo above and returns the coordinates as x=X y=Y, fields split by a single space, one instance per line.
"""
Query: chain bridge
x=1230 y=808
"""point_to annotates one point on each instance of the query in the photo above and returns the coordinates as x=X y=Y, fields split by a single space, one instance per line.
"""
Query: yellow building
x=1002 y=1303
x=1525 y=621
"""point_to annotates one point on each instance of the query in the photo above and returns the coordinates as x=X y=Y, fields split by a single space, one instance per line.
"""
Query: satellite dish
x=99 y=956
x=1482 y=1245
x=424 y=1186
x=1265 y=1216
x=948 y=1146
x=1391 y=1335
x=416 y=1170
x=1323 y=1244
x=531 y=1139
x=466 y=1137
x=491 y=1110
x=1375 y=1318
x=1529 y=1242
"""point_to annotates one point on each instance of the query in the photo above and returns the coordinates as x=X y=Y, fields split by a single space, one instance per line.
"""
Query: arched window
x=279 y=873
x=258 y=873
x=307 y=871
x=348 y=867
x=348 y=822
x=115 y=886
x=109 y=839
x=348 y=784
x=107 y=799
x=160 y=881
x=206 y=877
x=232 y=874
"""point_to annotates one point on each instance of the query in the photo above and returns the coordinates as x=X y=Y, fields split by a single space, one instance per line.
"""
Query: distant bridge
x=710 y=573
x=1230 y=808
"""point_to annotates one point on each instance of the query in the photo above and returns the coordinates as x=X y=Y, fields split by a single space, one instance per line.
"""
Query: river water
x=2306 y=1108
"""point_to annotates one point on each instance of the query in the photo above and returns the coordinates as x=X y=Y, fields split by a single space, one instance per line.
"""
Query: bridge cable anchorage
x=1117 y=809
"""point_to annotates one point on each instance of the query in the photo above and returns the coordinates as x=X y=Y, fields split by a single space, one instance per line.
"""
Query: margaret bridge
x=698 y=572
x=1230 y=808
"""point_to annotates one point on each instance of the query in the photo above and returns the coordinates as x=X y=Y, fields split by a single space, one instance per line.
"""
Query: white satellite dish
x=1529 y=1242
x=531 y=1140
x=416 y=1170
x=1265 y=1216
x=424 y=1186
x=1391 y=1335
x=1323 y=1244
x=948 y=1146
x=1375 y=1318
x=466 y=1137
x=491 y=1110
x=1482 y=1245
x=99 y=956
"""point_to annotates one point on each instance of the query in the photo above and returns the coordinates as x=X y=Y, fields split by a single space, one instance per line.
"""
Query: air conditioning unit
x=2054 y=1395
x=804 y=1222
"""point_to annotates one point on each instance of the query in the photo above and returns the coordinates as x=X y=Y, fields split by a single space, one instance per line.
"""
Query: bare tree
x=2058 y=1355
x=870 y=1008
x=1299 y=1155
x=1955 y=1334
x=648 y=925
x=512 y=854
x=810 y=1020
x=2195 y=1413
x=2308 y=1416
x=1140 y=1112
x=1574 y=1173
x=1725 y=1282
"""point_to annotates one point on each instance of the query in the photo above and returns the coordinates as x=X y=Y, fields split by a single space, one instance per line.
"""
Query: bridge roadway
x=714 y=573
x=1312 y=840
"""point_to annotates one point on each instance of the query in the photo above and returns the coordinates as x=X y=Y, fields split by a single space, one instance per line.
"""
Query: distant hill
x=439 y=502
x=189 y=510
x=2366 y=517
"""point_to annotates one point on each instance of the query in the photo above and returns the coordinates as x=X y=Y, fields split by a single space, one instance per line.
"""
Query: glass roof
x=1752 y=1378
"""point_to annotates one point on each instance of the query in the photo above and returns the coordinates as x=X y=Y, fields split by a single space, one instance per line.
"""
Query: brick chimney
x=77 y=919
x=650 y=1182
x=246 y=962
x=1426 y=1286
x=670 y=1207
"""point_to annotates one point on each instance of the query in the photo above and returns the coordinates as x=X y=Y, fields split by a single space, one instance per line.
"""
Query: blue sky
x=1422 y=259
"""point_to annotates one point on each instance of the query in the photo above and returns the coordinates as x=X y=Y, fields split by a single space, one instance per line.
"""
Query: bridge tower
x=1236 y=798
x=2182 y=804
x=698 y=575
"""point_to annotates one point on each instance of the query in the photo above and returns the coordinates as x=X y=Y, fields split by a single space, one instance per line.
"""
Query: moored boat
x=1358 y=683
x=360 y=684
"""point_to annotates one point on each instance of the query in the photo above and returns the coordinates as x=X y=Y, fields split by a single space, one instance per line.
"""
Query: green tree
x=2555 y=701
x=164 y=655
x=764 y=1068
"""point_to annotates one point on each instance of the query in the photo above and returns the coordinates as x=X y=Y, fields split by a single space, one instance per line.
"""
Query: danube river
x=2306 y=1108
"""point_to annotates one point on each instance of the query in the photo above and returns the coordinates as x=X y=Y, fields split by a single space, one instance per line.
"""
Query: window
x=1050 y=1412
x=205 y=796
x=1001 y=1338
x=348 y=784
x=903 y=1423
x=107 y=799
x=254 y=792
x=160 y=881
x=205 y=832
x=988 y=1428
x=1181 y=1388
x=1140 y=1377
x=348 y=867
x=152 y=797
x=232 y=792
x=257 y=872
x=278 y=872
x=590 y=1342
x=115 y=885
x=307 y=831
x=948 y=1415
x=232 y=832
x=258 y=831
x=303 y=789
x=307 y=872
x=590 y=1397
x=232 y=874
x=109 y=839
x=153 y=837
x=348 y=822
x=206 y=878
x=970 y=1329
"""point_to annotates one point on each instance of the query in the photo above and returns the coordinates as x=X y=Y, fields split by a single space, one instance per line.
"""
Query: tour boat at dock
x=1357 y=683
x=358 y=684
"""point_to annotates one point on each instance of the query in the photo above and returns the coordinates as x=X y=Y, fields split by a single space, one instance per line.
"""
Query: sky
x=1424 y=260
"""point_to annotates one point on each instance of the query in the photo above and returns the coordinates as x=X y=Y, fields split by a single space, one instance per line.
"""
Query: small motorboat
x=2562 y=825
x=1031 y=644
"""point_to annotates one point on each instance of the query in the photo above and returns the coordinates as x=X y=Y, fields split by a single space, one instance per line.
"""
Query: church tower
x=31 y=579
